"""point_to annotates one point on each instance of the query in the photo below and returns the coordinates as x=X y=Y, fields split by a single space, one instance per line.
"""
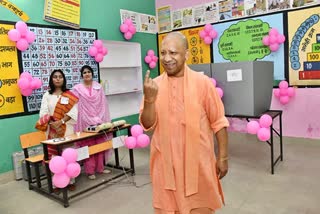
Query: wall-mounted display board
x=304 y=46
x=54 y=48
x=242 y=41
x=199 y=52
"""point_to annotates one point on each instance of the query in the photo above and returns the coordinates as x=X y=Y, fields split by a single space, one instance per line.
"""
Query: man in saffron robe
x=184 y=110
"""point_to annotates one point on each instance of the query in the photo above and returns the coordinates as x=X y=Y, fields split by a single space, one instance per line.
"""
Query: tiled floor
x=249 y=187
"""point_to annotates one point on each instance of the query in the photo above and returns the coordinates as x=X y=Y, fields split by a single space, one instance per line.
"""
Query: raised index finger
x=146 y=77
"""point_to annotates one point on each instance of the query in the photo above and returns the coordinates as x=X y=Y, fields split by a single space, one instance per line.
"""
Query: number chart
x=57 y=48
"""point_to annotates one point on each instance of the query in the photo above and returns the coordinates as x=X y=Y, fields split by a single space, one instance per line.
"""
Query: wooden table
x=71 y=139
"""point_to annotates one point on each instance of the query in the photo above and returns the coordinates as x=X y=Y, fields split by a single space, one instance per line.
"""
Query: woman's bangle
x=149 y=101
x=223 y=159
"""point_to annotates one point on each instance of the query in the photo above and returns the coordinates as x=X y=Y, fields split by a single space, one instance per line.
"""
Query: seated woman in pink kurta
x=92 y=110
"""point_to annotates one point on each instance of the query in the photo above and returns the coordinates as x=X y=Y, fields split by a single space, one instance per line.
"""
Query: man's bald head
x=181 y=38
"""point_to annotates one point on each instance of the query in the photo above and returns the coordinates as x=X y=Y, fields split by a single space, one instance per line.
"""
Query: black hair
x=51 y=85
x=86 y=67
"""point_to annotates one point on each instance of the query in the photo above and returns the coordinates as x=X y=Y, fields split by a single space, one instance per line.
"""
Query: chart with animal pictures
x=57 y=48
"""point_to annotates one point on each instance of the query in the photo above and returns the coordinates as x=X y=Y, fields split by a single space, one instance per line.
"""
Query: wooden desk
x=71 y=139
x=273 y=114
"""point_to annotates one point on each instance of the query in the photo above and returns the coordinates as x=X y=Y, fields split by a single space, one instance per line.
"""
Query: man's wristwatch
x=63 y=121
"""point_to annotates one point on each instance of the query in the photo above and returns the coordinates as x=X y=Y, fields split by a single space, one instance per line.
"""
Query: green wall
x=103 y=15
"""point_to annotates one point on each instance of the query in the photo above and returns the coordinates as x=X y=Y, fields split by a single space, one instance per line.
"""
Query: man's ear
x=187 y=55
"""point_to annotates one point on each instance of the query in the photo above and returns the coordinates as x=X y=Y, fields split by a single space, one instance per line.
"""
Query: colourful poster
x=304 y=47
x=164 y=19
x=242 y=41
x=63 y=12
x=10 y=97
x=199 y=51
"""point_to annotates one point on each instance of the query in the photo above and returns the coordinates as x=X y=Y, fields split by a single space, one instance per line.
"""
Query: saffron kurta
x=212 y=119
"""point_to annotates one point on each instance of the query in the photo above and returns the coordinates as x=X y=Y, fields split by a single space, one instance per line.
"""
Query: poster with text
x=199 y=51
x=242 y=41
x=164 y=19
x=63 y=12
x=11 y=101
x=304 y=46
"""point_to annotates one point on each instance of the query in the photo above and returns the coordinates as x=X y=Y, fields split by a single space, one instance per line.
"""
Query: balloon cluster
x=137 y=138
x=208 y=34
x=261 y=128
x=151 y=59
x=284 y=92
x=219 y=90
x=274 y=39
x=64 y=167
x=128 y=29
x=27 y=83
x=21 y=35
x=97 y=50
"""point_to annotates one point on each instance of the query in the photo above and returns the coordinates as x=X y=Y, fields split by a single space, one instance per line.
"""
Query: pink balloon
x=284 y=99
x=128 y=35
x=150 y=53
x=152 y=64
x=266 y=41
x=22 y=44
x=143 y=140
x=124 y=28
x=26 y=75
x=281 y=38
x=99 y=57
x=273 y=31
x=274 y=47
x=283 y=84
x=265 y=121
x=14 y=35
x=93 y=51
x=73 y=170
x=128 y=22
x=98 y=44
x=291 y=92
x=132 y=29
x=214 y=82
x=22 y=28
x=213 y=34
x=283 y=91
x=70 y=155
x=26 y=92
x=57 y=164
x=30 y=37
x=33 y=84
x=154 y=58
x=253 y=127
x=276 y=92
x=202 y=34
x=263 y=134
x=61 y=180
x=147 y=59
x=104 y=51
x=207 y=28
x=273 y=39
x=136 y=130
x=130 y=142
x=24 y=83
x=220 y=92
x=207 y=40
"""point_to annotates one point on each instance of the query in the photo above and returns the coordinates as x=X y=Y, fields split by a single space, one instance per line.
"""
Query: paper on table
x=234 y=75
x=83 y=153
x=118 y=142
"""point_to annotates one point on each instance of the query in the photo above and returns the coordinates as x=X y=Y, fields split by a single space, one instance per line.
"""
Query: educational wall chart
x=54 y=48
x=242 y=41
x=10 y=98
x=304 y=47
x=63 y=12
x=199 y=51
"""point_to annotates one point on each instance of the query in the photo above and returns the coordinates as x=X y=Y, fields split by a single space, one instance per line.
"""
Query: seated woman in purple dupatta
x=93 y=109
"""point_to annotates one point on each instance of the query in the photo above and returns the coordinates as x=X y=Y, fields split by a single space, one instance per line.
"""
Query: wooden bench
x=27 y=141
